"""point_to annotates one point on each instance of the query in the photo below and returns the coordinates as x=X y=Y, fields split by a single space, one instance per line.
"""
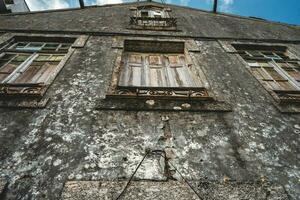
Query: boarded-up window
x=27 y=67
x=157 y=70
x=147 y=73
x=274 y=68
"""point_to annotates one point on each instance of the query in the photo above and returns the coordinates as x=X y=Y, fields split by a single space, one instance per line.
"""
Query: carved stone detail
x=35 y=90
x=197 y=93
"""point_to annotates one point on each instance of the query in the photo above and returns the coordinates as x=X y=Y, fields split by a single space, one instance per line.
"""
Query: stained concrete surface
x=87 y=190
x=71 y=139
x=3 y=184
x=147 y=190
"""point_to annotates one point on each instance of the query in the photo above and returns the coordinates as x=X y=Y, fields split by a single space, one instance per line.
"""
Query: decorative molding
x=170 y=105
x=288 y=97
x=160 y=92
x=139 y=44
x=22 y=90
x=164 y=22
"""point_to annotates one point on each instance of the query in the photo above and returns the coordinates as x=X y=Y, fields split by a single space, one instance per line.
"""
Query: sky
x=287 y=11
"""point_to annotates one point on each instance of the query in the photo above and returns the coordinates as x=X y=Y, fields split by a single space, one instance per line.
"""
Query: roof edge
x=97 y=33
x=157 y=3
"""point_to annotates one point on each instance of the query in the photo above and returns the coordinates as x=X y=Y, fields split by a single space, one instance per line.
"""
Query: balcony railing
x=153 y=22
x=161 y=92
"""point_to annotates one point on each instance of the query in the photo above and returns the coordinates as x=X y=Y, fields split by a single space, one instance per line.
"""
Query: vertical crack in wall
x=168 y=148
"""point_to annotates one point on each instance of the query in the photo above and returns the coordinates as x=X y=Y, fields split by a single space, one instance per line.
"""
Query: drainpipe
x=81 y=3
x=215 y=6
x=3 y=8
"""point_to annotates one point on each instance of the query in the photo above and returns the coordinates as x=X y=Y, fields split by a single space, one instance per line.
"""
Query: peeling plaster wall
x=70 y=140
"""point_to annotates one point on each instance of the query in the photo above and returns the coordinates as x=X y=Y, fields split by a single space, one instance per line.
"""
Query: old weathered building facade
x=208 y=104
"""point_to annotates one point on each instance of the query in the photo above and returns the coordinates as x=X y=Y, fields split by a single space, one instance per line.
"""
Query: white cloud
x=184 y=2
x=102 y=2
x=226 y=5
x=35 y=5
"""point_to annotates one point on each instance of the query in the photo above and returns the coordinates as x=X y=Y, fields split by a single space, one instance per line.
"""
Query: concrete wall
x=71 y=139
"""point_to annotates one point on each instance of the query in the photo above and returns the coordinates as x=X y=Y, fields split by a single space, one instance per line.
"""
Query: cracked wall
x=40 y=149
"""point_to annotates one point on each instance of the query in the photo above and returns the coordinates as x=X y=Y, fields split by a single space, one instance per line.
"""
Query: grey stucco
x=40 y=149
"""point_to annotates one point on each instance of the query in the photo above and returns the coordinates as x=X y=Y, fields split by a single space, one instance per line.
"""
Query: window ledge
x=23 y=102
x=163 y=105
x=288 y=107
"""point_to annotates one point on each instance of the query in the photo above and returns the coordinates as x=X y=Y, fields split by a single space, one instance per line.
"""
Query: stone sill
x=24 y=102
x=163 y=105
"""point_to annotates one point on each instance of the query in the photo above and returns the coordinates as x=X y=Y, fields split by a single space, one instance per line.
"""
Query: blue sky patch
x=287 y=11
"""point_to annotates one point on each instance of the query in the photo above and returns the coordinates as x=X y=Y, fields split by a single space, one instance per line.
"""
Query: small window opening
x=152 y=17
x=144 y=14
x=27 y=67
x=272 y=66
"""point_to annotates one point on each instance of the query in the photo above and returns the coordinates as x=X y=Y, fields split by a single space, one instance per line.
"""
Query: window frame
x=146 y=92
x=10 y=89
x=165 y=21
x=282 y=96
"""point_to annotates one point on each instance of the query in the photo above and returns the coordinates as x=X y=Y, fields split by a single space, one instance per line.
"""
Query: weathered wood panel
x=157 y=70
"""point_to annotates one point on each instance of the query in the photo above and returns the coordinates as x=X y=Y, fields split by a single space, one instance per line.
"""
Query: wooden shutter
x=157 y=70
x=179 y=73
x=292 y=68
x=270 y=76
x=131 y=72
x=40 y=70
x=6 y=65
